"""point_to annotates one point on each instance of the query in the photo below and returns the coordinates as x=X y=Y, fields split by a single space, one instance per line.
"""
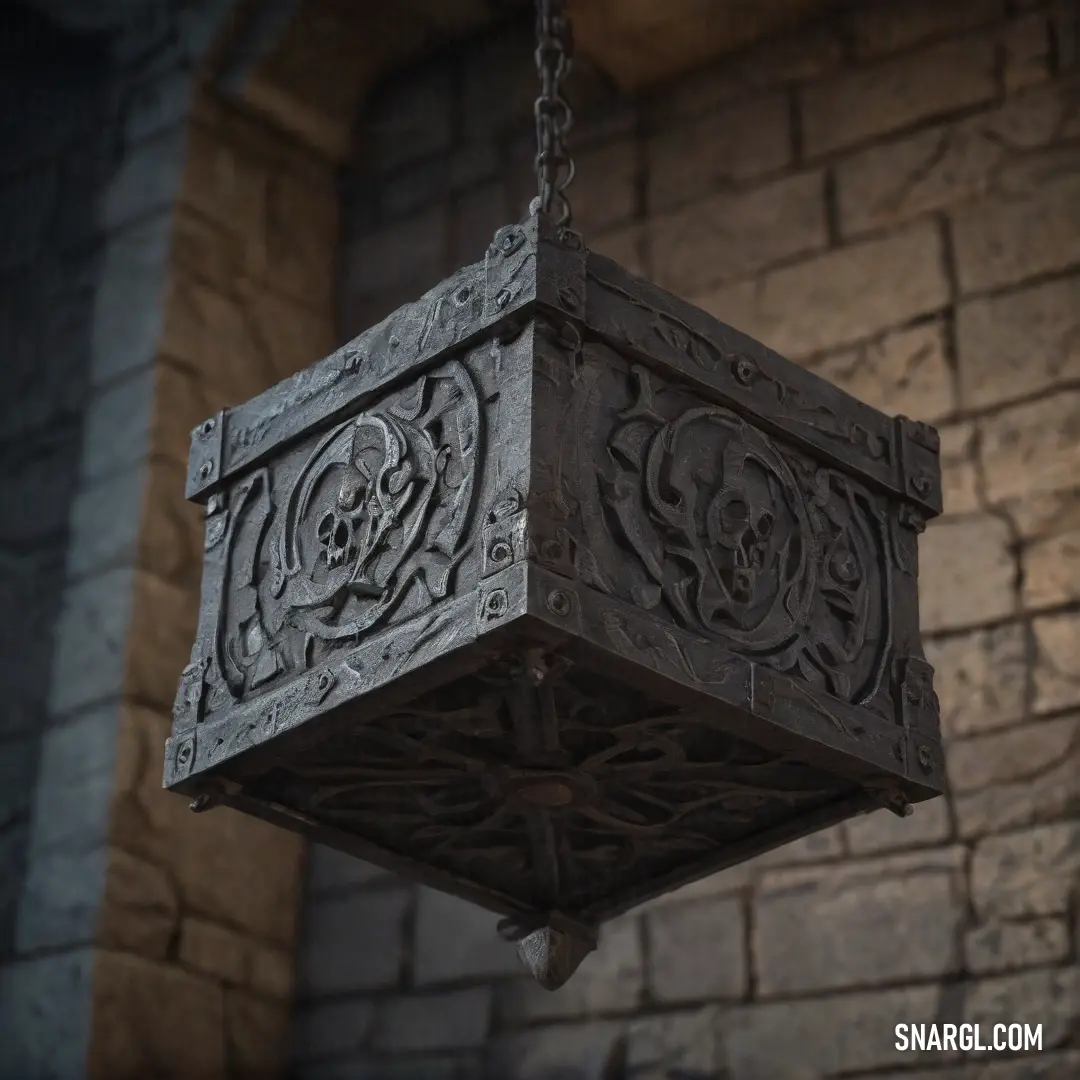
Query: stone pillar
x=143 y=940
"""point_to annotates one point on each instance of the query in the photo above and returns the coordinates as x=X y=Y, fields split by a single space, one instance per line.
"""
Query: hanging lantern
x=553 y=592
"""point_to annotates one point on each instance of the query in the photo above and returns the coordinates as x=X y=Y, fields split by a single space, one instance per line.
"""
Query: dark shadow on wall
x=54 y=156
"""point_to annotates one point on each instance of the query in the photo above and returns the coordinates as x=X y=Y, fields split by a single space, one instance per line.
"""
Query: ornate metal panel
x=556 y=593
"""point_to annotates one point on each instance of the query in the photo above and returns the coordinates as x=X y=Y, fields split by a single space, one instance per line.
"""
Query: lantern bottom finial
x=552 y=956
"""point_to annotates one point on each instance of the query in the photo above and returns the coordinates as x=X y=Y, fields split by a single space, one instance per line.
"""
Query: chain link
x=554 y=118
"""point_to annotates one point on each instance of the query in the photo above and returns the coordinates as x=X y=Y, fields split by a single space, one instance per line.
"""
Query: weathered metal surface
x=554 y=592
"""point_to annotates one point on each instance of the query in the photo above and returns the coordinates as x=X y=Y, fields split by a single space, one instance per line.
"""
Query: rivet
x=501 y=551
x=745 y=370
x=924 y=757
x=921 y=484
x=558 y=602
x=183 y=757
x=207 y=427
x=496 y=604
x=206 y=470
x=502 y=299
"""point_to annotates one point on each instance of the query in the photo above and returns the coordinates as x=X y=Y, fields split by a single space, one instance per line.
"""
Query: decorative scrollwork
x=741 y=540
x=376 y=520
x=533 y=775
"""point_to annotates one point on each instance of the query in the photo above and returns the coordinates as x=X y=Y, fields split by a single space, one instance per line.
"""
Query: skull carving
x=335 y=533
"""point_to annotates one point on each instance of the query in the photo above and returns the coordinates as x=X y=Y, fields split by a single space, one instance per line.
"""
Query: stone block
x=14 y=840
x=883 y=831
x=884 y=28
x=271 y=970
x=409 y=119
x=698 y=951
x=448 y=1066
x=1046 y=1066
x=1050 y=528
x=74 y=777
x=354 y=942
x=823 y=846
x=1028 y=52
x=29 y=585
x=1026 y=874
x=477 y=215
x=116 y=426
x=45 y=1008
x=836 y=1035
x=459 y=1020
x=1057 y=662
x=735 y=143
x=1009 y=946
x=855 y=106
x=302 y=235
x=212 y=949
x=226 y=177
x=960 y=480
x=1031 y=226
x=147 y=180
x=129 y=303
x=905 y=373
x=1018 y=344
x=154 y=1019
x=38 y=484
x=805 y=309
x=605 y=189
x=256 y=1035
x=578 y=1050
x=145 y=818
x=27 y=203
x=624 y=245
x=610 y=980
x=91 y=637
x=172 y=534
x=140 y=909
x=821 y=929
x=163 y=622
x=237 y=871
x=1024 y=753
x=799 y=54
x=400 y=254
x=331 y=871
x=1050 y=997
x=981 y=679
x=947 y=165
x=209 y=339
x=18 y=776
x=104 y=524
x=967 y=573
x=1051 y=795
x=684 y=1043
x=332 y=1028
x=457 y=940
x=61 y=900
x=732 y=235
x=158 y=103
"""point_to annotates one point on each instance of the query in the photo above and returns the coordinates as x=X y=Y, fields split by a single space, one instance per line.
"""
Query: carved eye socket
x=735 y=514
x=765 y=525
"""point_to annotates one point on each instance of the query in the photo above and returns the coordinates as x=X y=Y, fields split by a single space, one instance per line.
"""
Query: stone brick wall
x=161 y=255
x=53 y=105
x=892 y=197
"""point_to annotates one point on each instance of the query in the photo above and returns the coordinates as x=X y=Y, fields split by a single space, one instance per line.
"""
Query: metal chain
x=554 y=118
